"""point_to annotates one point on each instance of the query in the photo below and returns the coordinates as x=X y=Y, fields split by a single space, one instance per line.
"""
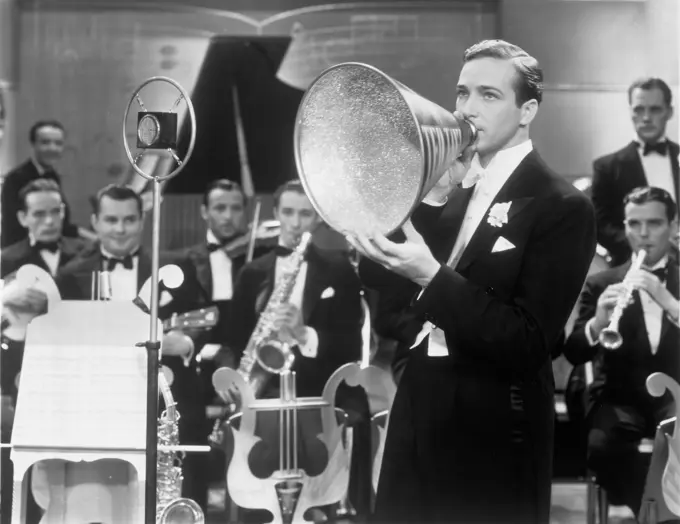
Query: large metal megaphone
x=368 y=148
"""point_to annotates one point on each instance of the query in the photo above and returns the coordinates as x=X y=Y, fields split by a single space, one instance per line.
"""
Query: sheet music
x=84 y=385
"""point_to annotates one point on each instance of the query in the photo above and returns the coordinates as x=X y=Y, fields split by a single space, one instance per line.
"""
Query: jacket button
x=489 y=290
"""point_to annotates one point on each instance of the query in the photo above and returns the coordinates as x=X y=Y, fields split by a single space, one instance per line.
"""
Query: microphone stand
x=156 y=131
x=153 y=347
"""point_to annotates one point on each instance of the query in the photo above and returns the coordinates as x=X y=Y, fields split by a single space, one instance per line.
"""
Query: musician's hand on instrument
x=177 y=344
x=655 y=288
x=291 y=323
x=606 y=304
x=412 y=259
x=24 y=298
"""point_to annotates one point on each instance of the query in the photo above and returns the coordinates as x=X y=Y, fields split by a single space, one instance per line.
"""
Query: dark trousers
x=614 y=434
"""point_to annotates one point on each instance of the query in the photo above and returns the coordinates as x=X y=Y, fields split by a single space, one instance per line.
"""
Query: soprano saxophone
x=610 y=337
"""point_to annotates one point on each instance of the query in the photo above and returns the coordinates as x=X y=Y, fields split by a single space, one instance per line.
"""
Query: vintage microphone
x=155 y=130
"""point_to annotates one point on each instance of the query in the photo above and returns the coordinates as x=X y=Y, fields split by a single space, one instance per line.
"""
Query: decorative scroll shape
x=657 y=384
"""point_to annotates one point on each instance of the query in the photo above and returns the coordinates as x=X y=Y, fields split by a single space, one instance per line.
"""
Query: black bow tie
x=282 y=251
x=659 y=147
x=110 y=263
x=52 y=247
x=213 y=246
x=660 y=273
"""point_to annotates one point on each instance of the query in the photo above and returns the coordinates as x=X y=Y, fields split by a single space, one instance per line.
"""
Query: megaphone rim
x=296 y=139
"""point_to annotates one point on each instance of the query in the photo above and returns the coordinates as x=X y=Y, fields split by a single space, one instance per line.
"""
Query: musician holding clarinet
x=495 y=268
x=628 y=326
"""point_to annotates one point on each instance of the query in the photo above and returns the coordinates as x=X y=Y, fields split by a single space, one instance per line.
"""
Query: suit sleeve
x=608 y=204
x=577 y=348
x=519 y=334
x=11 y=229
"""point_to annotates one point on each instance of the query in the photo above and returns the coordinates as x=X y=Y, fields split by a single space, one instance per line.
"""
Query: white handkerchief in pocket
x=328 y=292
x=502 y=244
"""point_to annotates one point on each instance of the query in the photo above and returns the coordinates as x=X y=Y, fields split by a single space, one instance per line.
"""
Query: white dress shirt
x=491 y=180
x=50 y=259
x=657 y=169
x=652 y=311
x=220 y=268
x=123 y=281
x=283 y=267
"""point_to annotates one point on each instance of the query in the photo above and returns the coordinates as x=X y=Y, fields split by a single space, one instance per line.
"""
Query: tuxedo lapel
x=450 y=222
x=32 y=256
x=516 y=191
x=313 y=284
x=672 y=284
x=203 y=270
x=143 y=269
x=632 y=166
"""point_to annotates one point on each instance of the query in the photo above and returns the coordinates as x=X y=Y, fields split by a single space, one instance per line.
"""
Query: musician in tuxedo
x=323 y=319
x=651 y=159
x=493 y=267
x=216 y=262
x=47 y=139
x=41 y=213
x=620 y=411
x=118 y=220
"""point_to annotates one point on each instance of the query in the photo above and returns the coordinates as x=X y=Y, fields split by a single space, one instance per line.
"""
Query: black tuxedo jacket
x=480 y=420
x=198 y=258
x=337 y=319
x=620 y=376
x=614 y=176
x=21 y=253
x=12 y=230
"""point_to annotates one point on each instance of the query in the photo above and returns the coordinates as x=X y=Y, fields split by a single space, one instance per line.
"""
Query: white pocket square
x=502 y=244
x=328 y=292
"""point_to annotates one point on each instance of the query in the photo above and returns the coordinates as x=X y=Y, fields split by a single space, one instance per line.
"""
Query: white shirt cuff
x=589 y=336
x=310 y=349
x=434 y=203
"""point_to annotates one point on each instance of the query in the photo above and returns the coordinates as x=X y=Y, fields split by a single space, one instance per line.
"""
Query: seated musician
x=41 y=212
x=217 y=261
x=118 y=221
x=323 y=319
x=620 y=411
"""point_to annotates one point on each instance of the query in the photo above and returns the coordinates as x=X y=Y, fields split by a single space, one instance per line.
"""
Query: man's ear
x=529 y=110
x=21 y=216
x=93 y=221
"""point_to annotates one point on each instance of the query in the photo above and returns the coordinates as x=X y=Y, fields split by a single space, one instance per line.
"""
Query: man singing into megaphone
x=470 y=435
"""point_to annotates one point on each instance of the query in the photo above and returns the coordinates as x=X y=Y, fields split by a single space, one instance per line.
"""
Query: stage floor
x=568 y=507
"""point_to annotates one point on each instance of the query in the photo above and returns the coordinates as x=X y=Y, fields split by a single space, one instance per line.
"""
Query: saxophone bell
x=182 y=511
x=610 y=337
x=275 y=356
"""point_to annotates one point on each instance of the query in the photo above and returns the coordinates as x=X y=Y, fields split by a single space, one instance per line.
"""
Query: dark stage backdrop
x=267 y=106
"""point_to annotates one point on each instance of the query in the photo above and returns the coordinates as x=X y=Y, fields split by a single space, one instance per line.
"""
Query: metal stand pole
x=153 y=347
